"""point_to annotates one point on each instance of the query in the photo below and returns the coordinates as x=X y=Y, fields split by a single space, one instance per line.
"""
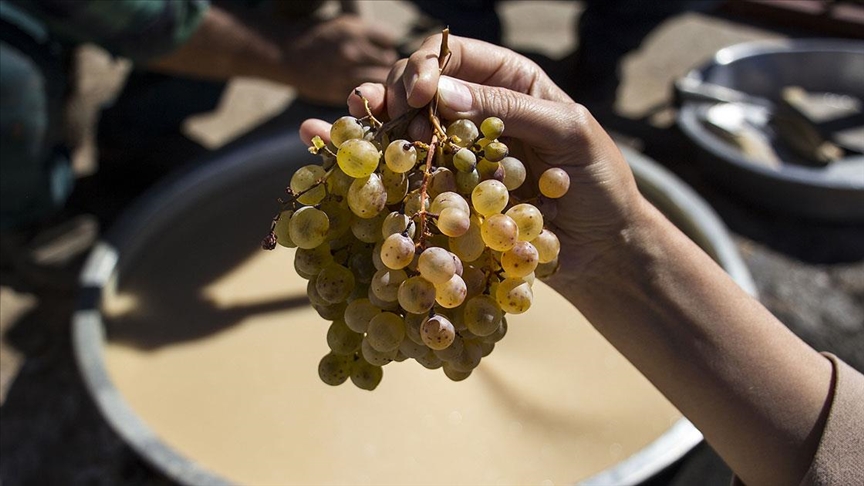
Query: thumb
x=535 y=121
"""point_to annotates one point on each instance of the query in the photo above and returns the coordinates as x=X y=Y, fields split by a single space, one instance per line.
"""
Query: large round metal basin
x=160 y=282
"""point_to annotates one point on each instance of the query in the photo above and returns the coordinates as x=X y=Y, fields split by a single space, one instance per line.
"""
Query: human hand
x=330 y=58
x=544 y=128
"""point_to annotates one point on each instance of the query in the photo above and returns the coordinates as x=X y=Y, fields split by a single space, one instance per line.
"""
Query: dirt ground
x=809 y=274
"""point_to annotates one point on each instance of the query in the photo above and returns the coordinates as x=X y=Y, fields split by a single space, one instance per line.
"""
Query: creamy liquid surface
x=552 y=404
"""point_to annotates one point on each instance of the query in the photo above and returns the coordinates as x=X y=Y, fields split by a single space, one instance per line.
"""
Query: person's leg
x=35 y=176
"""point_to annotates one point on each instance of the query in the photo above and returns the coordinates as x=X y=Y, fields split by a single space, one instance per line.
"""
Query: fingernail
x=454 y=94
x=411 y=82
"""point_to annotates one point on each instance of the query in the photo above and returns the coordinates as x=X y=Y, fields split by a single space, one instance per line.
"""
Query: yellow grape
x=308 y=227
x=514 y=295
x=490 y=197
x=520 y=260
x=367 y=196
x=547 y=245
x=499 y=232
x=554 y=183
x=529 y=220
x=357 y=158
x=345 y=128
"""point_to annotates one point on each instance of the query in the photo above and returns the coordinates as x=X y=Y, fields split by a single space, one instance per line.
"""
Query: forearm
x=754 y=389
x=225 y=46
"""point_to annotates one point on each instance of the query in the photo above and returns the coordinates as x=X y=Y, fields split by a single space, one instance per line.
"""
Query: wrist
x=611 y=259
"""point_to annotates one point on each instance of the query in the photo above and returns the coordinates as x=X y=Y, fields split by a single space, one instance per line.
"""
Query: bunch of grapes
x=415 y=250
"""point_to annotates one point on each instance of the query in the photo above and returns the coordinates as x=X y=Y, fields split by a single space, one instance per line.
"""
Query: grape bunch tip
x=415 y=249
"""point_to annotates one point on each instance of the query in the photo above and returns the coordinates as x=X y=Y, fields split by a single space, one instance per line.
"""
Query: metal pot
x=260 y=161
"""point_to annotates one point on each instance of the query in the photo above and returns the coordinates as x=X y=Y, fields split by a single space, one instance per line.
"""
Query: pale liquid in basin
x=552 y=403
x=212 y=343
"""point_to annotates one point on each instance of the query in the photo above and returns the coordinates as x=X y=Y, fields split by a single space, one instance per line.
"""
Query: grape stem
x=438 y=135
x=315 y=184
x=372 y=120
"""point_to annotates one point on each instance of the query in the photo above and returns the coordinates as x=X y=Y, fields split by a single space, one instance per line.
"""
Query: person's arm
x=758 y=393
x=322 y=59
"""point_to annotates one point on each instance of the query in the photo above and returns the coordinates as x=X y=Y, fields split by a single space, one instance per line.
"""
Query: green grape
x=366 y=376
x=339 y=182
x=486 y=348
x=367 y=197
x=400 y=156
x=495 y=151
x=554 y=183
x=492 y=127
x=467 y=181
x=545 y=270
x=361 y=264
x=395 y=184
x=358 y=313
x=498 y=334
x=397 y=223
x=358 y=158
x=342 y=242
x=334 y=283
x=373 y=356
x=449 y=200
x=514 y=295
x=529 y=220
x=308 y=227
x=331 y=312
x=463 y=132
x=470 y=245
x=385 y=284
x=470 y=357
x=310 y=261
x=520 y=260
x=339 y=217
x=414 y=202
x=500 y=232
x=411 y=348
x=453 y=374
x=397 y=251
x=343 y=340
x=547 y=245
x=436 y=265
x=482 y=315
x=490 y=170
x=345 y=128
x=412 y=326
x=514 y=172
x=416 y=295
x=437 y=332
x=385 y=332
x=334 y=369
x=489 y=197
x=305 y=179
x=451 y=293
x=453 y=222
x=430 y=361
x=475 y=281
x=283 y=234
x=368 y=230
x=376 y=256
x=452 y=352
x=442 y=180
x=312 y=292
x=380 y=303
x=464 y=160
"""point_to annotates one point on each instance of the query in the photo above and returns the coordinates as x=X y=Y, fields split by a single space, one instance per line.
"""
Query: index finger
x=478 y=62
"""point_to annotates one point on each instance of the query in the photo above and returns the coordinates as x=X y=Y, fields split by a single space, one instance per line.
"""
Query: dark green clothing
x=35 y=40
